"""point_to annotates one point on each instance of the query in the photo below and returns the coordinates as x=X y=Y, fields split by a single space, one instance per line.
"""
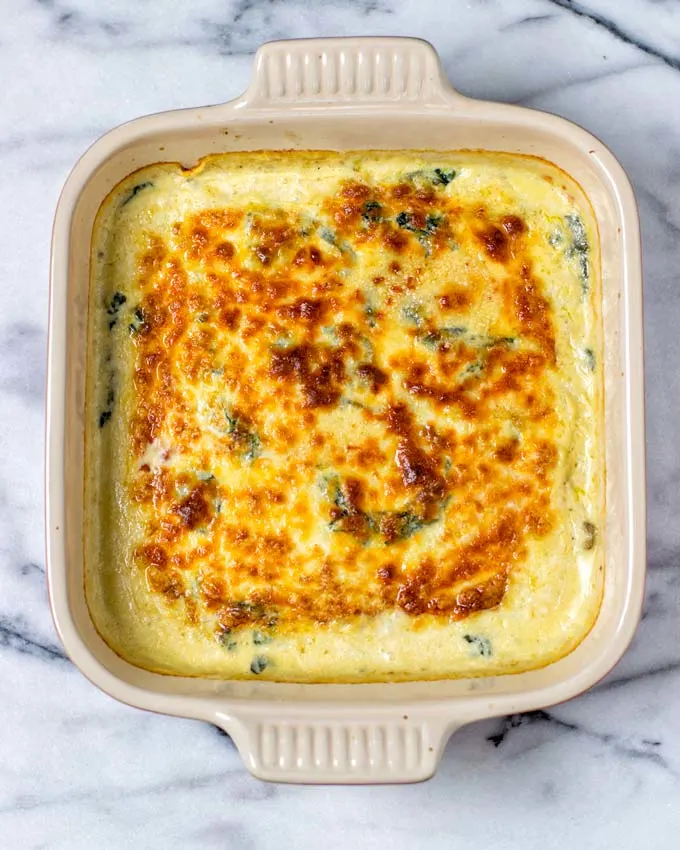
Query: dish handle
x=348 y=71
x=354 y=748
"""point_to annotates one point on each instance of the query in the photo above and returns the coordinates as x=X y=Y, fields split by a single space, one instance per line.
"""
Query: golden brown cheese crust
x=284 y=283
x=317 y=394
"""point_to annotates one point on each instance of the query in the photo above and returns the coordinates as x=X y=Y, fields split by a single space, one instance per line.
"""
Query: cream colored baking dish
x=342 y=94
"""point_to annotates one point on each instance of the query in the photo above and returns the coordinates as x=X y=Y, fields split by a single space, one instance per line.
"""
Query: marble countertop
x=79 y=770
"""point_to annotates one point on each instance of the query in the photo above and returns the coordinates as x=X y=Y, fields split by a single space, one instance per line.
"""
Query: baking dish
x=342 y=94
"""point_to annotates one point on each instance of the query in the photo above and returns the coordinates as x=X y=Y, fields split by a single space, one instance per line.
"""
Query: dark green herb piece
x=406 y=221
x=226 y=639
x=391 y=525
x=579 y=248
x=135 y=191
x=590 y=358
x=344 y=247
x=253 y=448
x=472 y=370
x=370 y=313
x=259 y=664
x=249 y=611
x=371 y=211
x=443 y=178
x=400 y=525
x=480 y=341
x=247 y=440
x=138 y=322
x=435 y=177
x=117 y=301
x=407 y=524
x=113 y=307
x=433 y=338
x=252 y=609
x=107 y=413
x=579 y=240
x=584 y=271
x=480 y=644
x=327 y=235
x=432 y=222
x=590 y=535
x=336 y=494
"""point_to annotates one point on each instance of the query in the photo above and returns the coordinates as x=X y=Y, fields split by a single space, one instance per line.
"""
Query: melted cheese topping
x=344 y=417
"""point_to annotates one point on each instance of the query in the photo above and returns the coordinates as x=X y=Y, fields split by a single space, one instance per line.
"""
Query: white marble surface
x=78 y=770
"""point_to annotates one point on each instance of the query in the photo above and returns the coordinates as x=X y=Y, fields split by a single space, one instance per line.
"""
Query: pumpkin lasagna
x=344 y=416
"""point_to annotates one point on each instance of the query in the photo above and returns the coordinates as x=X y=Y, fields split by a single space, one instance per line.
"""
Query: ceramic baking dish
x=348 y=94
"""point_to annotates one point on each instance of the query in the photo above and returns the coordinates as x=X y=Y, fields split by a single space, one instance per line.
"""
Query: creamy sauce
x=344 y=417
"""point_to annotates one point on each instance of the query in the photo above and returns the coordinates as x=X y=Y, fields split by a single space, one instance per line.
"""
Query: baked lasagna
x=344 y=416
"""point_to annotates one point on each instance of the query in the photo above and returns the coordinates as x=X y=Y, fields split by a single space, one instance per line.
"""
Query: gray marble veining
x=81 y=771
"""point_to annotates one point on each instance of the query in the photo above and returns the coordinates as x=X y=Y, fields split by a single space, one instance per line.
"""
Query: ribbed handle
x=339 y=751
x=347 y=70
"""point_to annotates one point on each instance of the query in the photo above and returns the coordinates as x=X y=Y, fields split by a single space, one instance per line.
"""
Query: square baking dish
x=348 y=94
